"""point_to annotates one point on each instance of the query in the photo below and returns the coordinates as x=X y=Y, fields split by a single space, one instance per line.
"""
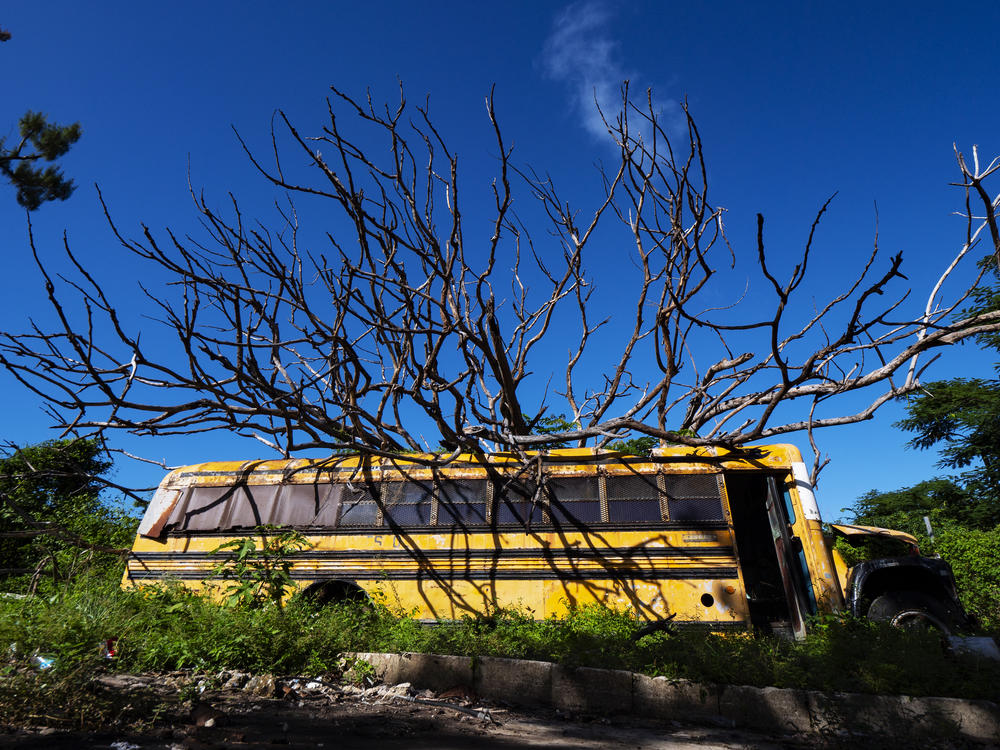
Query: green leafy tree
x=905 y=508
x=961 y=418
x=51 y=512
x=38 y=141
x=635 y=446
x=551 y=425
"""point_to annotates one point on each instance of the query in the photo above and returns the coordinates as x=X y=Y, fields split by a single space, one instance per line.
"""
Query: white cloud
x=582 y=53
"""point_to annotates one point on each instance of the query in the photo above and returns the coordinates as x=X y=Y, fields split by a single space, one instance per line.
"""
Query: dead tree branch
x=403 y=320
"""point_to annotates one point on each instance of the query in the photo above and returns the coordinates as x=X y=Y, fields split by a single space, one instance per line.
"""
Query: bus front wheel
x=911 y=610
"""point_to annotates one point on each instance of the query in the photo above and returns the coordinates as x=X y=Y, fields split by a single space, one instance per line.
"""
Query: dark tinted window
x=408 y=503
x=573 y=498
x=789 y=508
x=462 y=502
x=633 y=498
x=313 y=504
x=230 y=507
x=694 y=497
x=516 y=505
x=357 y=507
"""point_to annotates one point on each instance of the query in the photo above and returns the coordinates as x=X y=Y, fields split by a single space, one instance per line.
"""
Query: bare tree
x=404 y=330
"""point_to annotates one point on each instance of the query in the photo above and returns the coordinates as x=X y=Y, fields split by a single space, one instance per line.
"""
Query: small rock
x=204 y=715
x=262 y=685
x=402 y=689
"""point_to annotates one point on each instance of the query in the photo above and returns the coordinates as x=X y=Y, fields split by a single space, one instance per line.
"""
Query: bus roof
x=762 y=456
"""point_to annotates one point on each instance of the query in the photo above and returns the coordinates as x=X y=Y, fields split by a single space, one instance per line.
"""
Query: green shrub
x=255 y=575
x=975 y=557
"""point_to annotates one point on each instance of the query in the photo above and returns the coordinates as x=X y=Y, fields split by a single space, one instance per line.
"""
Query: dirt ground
x=238 y=711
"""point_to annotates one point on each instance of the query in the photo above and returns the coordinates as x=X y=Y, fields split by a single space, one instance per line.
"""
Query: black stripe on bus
x=640 y=553
x=460 y=530
x=424 y=574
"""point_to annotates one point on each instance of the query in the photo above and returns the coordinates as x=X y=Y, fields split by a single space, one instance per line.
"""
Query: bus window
x=308 y=504
x=408 y=503
x=789 y=507
x=515 y=504
x=633 y=499
x=573 y=499
x=694 y=497
x=233 y=507
x=462 y=502
x=357 y=507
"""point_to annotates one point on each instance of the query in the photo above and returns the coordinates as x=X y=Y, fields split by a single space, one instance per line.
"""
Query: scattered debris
x=460 y=693
x=42 y=662
x=236 y=681
x=109 y=648
x=262 y=685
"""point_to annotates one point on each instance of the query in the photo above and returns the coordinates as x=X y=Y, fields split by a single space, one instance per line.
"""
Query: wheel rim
x=917 y=619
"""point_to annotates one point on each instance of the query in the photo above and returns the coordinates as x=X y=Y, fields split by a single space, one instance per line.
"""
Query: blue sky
x=794 y=101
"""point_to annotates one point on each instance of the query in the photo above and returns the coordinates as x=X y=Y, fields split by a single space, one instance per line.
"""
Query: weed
x=256 y=575
x=359 y=672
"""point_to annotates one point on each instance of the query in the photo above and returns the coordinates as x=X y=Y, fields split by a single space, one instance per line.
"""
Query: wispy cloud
x=582 y=53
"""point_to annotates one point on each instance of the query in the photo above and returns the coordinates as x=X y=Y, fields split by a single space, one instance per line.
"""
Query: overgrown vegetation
x=169 y=628
x=961 y=419
x=53 y=521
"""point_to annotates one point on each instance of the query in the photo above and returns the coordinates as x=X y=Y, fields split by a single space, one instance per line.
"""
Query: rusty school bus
x=706 y=536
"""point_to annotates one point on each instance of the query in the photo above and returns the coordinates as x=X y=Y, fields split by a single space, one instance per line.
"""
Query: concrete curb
x=607 y=691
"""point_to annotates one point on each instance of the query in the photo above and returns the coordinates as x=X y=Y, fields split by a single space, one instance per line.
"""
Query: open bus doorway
x=768 y=553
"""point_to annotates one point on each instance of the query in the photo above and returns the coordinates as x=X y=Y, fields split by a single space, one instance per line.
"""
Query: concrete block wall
x=607 y=691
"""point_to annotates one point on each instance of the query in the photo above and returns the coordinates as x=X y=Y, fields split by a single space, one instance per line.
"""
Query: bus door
x=788 y=549
x=768 y=553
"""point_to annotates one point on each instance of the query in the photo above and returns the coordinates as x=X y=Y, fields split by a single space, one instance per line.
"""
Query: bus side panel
x=688 y=575
x=808 y=527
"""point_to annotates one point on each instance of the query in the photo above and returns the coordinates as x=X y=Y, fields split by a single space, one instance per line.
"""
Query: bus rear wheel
x=911 y=610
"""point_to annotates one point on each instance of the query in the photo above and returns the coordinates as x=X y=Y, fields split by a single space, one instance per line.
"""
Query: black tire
x=912 y=610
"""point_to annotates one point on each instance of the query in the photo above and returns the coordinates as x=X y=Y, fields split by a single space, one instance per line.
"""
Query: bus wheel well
x=334 y=592
x=906 y=584
x=899 y=579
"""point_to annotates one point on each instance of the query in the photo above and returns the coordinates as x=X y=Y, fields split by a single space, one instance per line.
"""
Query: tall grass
x=169 y=628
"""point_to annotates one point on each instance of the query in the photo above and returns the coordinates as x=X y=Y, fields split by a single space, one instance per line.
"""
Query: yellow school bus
x=727 y=539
